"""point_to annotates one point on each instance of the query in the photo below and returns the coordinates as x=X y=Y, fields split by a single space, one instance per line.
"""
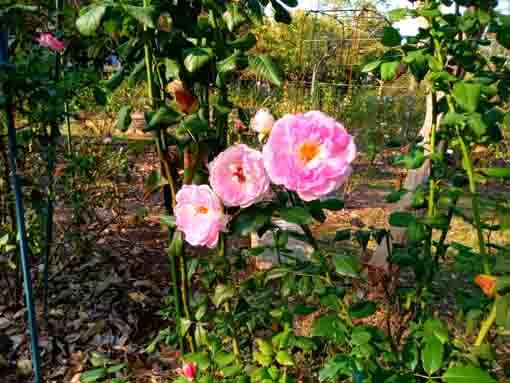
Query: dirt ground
x=107 y=299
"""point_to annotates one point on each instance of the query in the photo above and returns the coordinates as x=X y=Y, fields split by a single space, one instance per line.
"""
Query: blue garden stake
x=20 y=220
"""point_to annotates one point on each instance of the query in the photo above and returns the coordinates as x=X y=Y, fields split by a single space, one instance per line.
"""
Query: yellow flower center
x=308 y=151
x=202 y=210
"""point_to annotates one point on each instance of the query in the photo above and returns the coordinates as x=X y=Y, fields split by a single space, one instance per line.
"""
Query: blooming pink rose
x=199 y=215
x=238 y=177
x=309 y=153
x=48 y=41
x=189 y=370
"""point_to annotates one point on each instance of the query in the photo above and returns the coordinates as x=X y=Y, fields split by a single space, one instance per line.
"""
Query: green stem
x=235 y=341
x=184 y=293
x=175 y=289
x=475 y=205
x=486 y=325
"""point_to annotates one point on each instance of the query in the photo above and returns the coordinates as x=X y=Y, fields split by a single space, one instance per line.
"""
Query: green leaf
x=196 y=58
x=329 y=326
x=297 y=215
x=167 y=220
x=502 y=173
x=264 y=346
x=503 y=311
x=154 y=182
x=280 y=13
x=432 y=355
x=284 y=358
x=371 y=66
x=338 y=364
x=264 y=66
x=262 y=359
x=452 y=119
x=100 y=96
x=391 y=37
x=193 y=125
x=223 y=359
x=93 y=375
x=172 y=69
x=184 y=326
x=398 y=14
x=389 y=70
x=248 y=221
x=90 y=20
x=165 y=116
x=116 y=368
x=467 y=374
x=467 y=95
x=115 y=81
x=137 y=73
x=222 y=293
x=290 y=3
x=362 y=309
x=244 y=43
x=332 y=204
x=124 y=118
x=144 y=15
x=200 y=358
x=401 y=219
x=476 y=123
x=346 y=265
x=234 y=62
x=410 y=354
x=233 y=17
x=231 y=371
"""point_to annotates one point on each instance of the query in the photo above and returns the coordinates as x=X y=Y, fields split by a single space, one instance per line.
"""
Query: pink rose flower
x=189 y=370
x=238 y=177
x=309 y=153
x=199 y=215
x=48 y=41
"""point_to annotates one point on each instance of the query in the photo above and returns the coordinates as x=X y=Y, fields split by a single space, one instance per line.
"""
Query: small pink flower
x=309 y=153
x=238 y=177
x=189 y=370
x=199 y=215
x=239 y=126
x=48 y=41
x=262 y=123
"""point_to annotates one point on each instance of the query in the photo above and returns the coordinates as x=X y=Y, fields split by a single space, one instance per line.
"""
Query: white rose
x=262 y=122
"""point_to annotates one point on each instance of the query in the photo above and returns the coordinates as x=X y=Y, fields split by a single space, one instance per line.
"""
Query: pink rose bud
x=189 y=370
x=262 y=122
x=239 y=126
x=238 y=177
x=309 y=153
x=48 y=41
x=199 y=215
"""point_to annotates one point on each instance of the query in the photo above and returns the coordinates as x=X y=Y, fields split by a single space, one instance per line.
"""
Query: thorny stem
x=184 y=293
x=175 y=289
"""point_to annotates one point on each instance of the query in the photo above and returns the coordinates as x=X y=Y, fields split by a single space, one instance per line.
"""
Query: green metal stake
x=20 y=220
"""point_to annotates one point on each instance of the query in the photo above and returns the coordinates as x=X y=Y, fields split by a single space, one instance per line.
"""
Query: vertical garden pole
x=51 y=154
x=20 y=220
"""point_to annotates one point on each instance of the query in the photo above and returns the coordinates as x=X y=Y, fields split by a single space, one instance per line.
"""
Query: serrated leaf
x=223 y=359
